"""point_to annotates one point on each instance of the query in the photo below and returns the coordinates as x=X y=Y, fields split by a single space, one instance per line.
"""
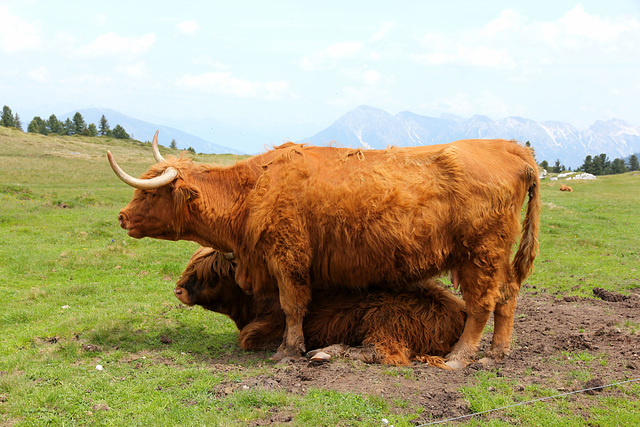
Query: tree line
x=598 y=165
x=75 y=126
x=601 y=165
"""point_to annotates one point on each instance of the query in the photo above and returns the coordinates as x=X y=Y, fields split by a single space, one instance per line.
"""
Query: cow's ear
x=184 y=193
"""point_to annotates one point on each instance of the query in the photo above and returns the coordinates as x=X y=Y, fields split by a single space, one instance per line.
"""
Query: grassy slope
x=589 y=238
x=71 y=277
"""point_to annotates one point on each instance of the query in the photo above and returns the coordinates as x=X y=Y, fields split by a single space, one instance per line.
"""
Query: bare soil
x=553 y=338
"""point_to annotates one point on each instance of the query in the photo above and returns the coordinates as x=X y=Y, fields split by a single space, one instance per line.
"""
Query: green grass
x=589 y=238
x=77 y=292
x=492 y=392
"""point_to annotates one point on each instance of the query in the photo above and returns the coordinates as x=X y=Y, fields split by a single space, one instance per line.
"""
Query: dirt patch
x=606 y=295
x=553 y=339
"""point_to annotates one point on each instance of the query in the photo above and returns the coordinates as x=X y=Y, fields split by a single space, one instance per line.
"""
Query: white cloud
x=330 y=56
x=385 y=28
x=579 y=23
x=577 y=28
x=40 y=75
x=224 y=83
x=138 y=69
x=366 y=76
x=101 y=19
x=207 y=61
x=371 y=77
x=509 y=20
x=512 y=40
x=351 y=96
x=476 y=48
x=188 y=28
x=16 y=34
x=465 y=104
x=113 y=44
x=458 y=54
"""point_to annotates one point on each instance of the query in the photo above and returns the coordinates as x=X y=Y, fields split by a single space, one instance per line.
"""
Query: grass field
x=76 y=292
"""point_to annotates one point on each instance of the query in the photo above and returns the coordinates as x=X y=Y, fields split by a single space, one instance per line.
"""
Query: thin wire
x=527 y=402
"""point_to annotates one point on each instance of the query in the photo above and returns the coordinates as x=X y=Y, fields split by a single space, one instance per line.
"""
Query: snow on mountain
x=375 y=128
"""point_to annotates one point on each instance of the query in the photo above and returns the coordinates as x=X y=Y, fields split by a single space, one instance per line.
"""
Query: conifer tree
x=103 y=126
x=54 y=125
x=558 y=167
x=7 y=119
x=119 y=133
x=17 y=122
x=587 y=166
x=173 y=144
x=68 y=128
x=618 y=166
x=79 y=124
x=37 y=125
x=92 y=130
x=633 y=163
x=601 y=164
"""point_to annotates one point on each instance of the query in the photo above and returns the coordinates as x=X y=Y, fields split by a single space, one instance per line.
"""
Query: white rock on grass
x=584 y=176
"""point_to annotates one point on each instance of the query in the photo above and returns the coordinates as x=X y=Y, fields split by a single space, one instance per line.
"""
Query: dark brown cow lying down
x=389 y=327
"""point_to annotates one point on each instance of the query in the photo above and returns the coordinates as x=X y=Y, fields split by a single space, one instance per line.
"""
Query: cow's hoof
x=457 y=364
x=319 y=358
x=496 y=354
x=284 y=355
x=312 y=353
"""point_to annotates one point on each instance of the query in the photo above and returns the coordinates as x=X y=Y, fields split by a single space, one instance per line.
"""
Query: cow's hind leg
x=503 y=328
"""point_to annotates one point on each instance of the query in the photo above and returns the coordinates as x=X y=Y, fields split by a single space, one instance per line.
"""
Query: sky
x=291 y=68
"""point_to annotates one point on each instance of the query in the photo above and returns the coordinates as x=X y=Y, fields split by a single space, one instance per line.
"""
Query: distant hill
x=375 y=128
x=144 y=131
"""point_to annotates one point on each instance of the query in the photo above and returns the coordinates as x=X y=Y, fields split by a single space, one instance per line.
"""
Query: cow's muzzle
x=183 y=296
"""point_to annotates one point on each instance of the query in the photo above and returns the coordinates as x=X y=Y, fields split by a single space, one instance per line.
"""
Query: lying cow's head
x=162 y=200
x=208 y=281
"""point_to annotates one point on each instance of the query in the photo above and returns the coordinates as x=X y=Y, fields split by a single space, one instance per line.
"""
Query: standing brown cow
x=299 y=216
x=388 y=327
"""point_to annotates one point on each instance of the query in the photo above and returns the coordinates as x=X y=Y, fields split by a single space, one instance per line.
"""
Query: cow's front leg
x=294 y=299
x=464 y=350
x=479 y=287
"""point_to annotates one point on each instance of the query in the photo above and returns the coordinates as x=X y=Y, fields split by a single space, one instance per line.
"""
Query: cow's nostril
x=178 y=291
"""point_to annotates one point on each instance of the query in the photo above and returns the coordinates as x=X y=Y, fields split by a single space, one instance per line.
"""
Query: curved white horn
x=144 y=184
x=156 y=151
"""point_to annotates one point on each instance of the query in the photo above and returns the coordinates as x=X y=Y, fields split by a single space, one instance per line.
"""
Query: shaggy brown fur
x=565 y=188
x=389 y=327
x=301 y=217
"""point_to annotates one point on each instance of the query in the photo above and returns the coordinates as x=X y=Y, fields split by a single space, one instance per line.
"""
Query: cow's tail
x=528 y=249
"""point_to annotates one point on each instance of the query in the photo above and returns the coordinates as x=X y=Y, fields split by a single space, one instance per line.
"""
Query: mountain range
x=375 y=128
x=371 y=127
